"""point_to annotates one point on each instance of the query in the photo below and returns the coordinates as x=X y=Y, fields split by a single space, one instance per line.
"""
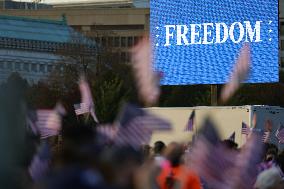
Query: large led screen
x=198 y=41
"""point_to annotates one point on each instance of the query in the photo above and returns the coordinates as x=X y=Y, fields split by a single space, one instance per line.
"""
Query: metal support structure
x=214 y=95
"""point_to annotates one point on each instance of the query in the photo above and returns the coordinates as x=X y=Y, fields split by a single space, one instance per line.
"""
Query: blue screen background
x=212 y=64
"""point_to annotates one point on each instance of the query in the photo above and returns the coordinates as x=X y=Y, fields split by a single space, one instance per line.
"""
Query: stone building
x=115 y=28
x=33 y=47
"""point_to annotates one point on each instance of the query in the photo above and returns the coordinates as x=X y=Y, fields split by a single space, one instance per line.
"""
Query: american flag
x=245 y=129
x=280 y=134
x=49 y=121
x=247 y=161
x=81 y=108
x=86 y=98
x=265 y=136
x=214 y=169
x=147 y=80
x=136 y=126
x=40 y=163
x=239 y=74
x=225 y=168
x=190 y=123
x=232 y=137
x=108 y=131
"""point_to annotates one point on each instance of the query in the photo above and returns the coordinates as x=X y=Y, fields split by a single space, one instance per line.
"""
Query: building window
x=123 y=57
x=17 y=66
x=116 y=55
x=34 y=67
x=136 y=40
x=1 y=65
x=127 y=57
x=116 y=41
x=123 y=41
x=130 y=41
x=26 y=67
x=49 y=68
x=104 y=41
x=42 y=68
x=9 y=65
x=110 y=41
x=98 y=40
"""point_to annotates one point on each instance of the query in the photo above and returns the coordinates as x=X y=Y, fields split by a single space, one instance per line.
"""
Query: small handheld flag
x=245 y=129
x=239 y=74
x=280 y=134
x=146 y=79
x=87 y=103
x=190 y=123
x=265 y=136
x=108 y=131
x=232 y=137
x=49 y=121
x=136 y=126
x=81 y=108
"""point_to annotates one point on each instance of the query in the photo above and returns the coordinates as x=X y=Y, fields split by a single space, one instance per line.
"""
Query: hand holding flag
x=147 y=80
x=280 y=134
x=267 y=131
x=239 y=74
x=245 y=129
x=49 y=121
x=136 y=126
x=87 y=104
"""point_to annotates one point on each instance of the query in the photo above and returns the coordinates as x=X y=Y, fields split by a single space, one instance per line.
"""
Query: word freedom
x=210 y=33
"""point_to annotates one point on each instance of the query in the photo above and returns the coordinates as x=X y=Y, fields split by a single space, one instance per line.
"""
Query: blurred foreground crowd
x=80 y=157
x=55 y=149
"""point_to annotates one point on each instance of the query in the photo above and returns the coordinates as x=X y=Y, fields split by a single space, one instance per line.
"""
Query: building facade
x=27 y=5
x=99 y=3
x=116 y=29
x=33 y=47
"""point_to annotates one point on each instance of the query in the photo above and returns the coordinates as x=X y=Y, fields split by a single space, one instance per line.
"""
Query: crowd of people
x=55 y=149
x=80 y=157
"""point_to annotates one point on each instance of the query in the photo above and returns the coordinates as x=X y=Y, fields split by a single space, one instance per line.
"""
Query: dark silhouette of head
x=159 y=147
x=230 y=144
x=174 y=153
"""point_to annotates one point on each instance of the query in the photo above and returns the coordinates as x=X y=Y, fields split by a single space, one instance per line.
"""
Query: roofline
x=23 y=18
x=110 y=2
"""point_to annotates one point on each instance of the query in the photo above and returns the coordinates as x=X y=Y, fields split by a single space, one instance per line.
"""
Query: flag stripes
x=109 y=131
x=280 y=134
x=245 y=129
x=136 y=127
x=48 y=123
x=265 y=136
x=81 y=108
x=87 y=103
